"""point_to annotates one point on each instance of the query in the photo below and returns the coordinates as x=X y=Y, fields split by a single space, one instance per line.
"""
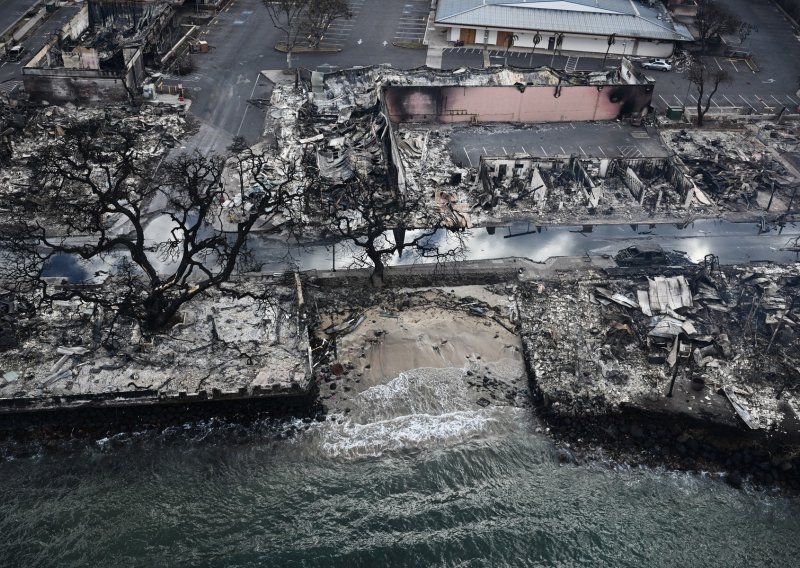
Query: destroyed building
x=426 y=132
x=643 y=187
x=100 y=54
x=743 y=169
x=707 y=342
x=247 y=339
x=356 y=121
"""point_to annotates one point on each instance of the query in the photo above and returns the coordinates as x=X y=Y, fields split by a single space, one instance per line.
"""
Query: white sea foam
x=409 y=432
x=422 y=408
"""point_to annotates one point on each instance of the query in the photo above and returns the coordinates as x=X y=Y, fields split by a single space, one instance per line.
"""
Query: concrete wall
x=511 y=104
x=77 y=25
x=59 y=86
x=578 y=43
x=81 y=58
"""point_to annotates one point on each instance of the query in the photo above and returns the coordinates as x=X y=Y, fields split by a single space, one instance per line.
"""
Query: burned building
x=473 y=141
x=385 y=123
x=648 y=186
x=100 y=55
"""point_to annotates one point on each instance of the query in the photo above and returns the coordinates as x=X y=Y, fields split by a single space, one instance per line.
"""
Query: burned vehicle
x=644 y=254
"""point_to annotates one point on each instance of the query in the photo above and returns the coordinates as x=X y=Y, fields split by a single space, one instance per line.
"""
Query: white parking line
x=467 y=155
x=776 y=100
x=791 y=99
x=601 y=150
x=485 y=153
x=694 y=99
x=718 y=65
x=582 y=152
x=524 y=150
x=663 y=99
x=248 y=106
x=747 y=103
x=730 y=101
x=734 y=65
x=504 y=151
x=562 y=150
x=545 y=151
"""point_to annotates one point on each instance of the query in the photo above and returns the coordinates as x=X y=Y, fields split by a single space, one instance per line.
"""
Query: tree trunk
x=376 y=278
x=159 y=312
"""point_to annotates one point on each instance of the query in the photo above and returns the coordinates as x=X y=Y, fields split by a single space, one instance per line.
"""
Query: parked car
x=15 y=53
x=641 y=255
x=657 y=65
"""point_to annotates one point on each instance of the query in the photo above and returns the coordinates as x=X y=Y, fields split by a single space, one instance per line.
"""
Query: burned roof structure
x=352 y=121
x=709 y=342
x=100 y=54
x=426 y=132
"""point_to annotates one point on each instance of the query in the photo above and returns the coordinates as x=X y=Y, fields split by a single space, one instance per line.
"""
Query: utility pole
x=612 y=39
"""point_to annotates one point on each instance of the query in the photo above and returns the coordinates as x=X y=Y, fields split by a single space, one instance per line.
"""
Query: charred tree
x=707 y=83
x=320 y=14
x=307 y=20
x=287 y=16
x=162 y=233
x=363 y=213
x=713 y=20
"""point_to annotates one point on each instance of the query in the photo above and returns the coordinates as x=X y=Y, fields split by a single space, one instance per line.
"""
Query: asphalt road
x=11 y=10
x=243 y=40
x=11 y=72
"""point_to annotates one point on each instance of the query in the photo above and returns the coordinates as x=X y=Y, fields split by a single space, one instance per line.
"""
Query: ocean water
x=416 y=474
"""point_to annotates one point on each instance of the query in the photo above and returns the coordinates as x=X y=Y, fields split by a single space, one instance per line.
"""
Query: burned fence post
x=791 y=201
x=771 y=195
x=676 y=368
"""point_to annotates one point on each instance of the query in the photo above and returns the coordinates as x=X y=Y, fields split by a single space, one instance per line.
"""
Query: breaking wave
x=421 y=409
x=403 y=433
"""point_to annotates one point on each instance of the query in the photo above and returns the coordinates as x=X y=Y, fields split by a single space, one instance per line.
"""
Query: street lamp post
x=612 y=39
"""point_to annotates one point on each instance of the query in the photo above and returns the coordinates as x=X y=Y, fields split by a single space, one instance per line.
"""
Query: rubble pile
x=157 y=128
x=109 y=28
x=361 y=85
x=726 y=337
x=243 y=340
x=740 y=170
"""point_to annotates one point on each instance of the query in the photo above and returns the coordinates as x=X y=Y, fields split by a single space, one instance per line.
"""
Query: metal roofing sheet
x=621 y=17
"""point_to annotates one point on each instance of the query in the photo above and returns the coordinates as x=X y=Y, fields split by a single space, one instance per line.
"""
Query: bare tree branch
x=713 y=20
x=90 y=197
x=704 y=79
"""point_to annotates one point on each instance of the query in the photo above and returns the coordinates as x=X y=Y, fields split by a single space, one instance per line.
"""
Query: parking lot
x=412 y=22
x=339 y=32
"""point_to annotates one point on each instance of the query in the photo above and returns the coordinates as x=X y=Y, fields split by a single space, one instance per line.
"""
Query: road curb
x=281 y=47
x=10 y=29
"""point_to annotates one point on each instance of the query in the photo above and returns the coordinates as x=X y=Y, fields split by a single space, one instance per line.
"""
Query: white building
x=634 y=27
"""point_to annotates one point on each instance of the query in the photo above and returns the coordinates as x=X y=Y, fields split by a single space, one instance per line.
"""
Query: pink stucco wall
x=510 y=104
